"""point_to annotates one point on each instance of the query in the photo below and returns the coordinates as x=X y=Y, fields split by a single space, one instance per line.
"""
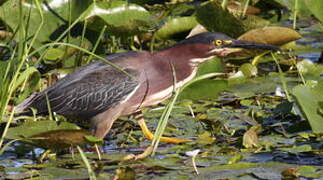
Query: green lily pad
x=176 y=25
x=31 y=128
x=120 y=17
x=55 y=18
x=215 y=19
x=248 y=70
x=298 y=149
x=54 y=54
x=308 y=100
x=315 y=6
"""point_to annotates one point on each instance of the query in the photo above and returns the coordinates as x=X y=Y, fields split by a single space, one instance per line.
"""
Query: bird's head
x=207 y=45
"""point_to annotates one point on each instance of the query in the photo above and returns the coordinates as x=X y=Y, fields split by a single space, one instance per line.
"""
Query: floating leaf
x=298 y=149
x=124 y=173
x=308 y=100
x=237 y=8
x=198 y=29
x=56 y=17
x=315 y=6
x=176 y=25
x=33 y=76
x=93 y=139
x=271 y=35
x=121 y=18
x=215 y=19
x=237 y=78
x=283 y=109
x=60 y=139
x=234 y=159
x=290 y=173
x=54 y=54
x=31 y=128
x=250 y=139
x=205 y=138
x=204 y=89
x=248 y=70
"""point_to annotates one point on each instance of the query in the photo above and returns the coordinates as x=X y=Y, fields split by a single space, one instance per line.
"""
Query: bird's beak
x=249 y=45
x=232 y=46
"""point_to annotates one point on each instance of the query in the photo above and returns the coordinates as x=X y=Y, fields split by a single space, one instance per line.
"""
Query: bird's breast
x=158 y=95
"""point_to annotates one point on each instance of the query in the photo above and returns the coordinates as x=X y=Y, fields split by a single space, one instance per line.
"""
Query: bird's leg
x=139 y=117
x=150 y=136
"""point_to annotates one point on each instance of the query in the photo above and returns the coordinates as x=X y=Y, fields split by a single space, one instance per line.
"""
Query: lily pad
x=54 y=54
x=56 y=17
x=31 y=128
x=214 y=18
x=308 y=99
x=176 y=25
x=271 y=35
x=120 y=17
x=60 y=139
x=315 y=6
x=248 y=70
x=250 y=139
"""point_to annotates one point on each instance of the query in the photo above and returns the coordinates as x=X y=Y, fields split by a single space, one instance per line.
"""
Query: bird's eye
x=218 y=42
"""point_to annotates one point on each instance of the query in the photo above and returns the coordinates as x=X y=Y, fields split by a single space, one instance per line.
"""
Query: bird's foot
x=143 y=155
x=150 y=136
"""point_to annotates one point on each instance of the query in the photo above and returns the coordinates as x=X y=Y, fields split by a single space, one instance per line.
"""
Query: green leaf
x=308 y=100
x=315 y=6
x=93 y=139
x=56 y=18
x=283 y=109
x=248 y=70
x=214 y=18
x=204 y=89
x=54 y=54
x=236 y=158
x=33 y=76
x=205 y=138
x=31 y=128
x=176 y=25
x=237 y=78
x=211 y=66
x=121 y=18
x=298 y=149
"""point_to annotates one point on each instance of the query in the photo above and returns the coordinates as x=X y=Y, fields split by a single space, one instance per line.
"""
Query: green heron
x=99 y=93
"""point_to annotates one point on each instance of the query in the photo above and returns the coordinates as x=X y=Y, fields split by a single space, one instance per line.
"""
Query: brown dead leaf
x=290 y=173
x=236 y=7
x=198 y=29
x=271 y=35
x=60 y=139
x=250 y=139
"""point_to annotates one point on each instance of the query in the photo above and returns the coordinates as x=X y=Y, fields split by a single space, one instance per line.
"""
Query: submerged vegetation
x=252 y=115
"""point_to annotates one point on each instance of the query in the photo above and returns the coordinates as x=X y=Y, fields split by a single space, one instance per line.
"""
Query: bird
x=99 y=93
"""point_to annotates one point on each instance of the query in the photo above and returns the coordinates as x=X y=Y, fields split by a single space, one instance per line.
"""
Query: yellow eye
x=218 y=42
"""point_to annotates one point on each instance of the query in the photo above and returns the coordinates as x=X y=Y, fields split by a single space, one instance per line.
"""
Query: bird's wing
x=88 y=91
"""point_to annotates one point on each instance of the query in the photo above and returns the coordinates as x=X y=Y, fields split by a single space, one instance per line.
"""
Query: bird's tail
x=20 y=108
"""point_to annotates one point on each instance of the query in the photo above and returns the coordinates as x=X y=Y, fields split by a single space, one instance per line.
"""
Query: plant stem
x=282 y=78
x=295 y=14
x=245 y=8
x=224 y=4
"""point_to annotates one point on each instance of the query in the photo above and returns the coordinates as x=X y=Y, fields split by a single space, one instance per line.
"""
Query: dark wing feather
x=88 y=91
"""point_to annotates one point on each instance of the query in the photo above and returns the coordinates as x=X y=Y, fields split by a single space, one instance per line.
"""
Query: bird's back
x=86 y=92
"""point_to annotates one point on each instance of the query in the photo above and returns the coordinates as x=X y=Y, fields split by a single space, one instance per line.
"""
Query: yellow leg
x=150 y=135
x=143 y=155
